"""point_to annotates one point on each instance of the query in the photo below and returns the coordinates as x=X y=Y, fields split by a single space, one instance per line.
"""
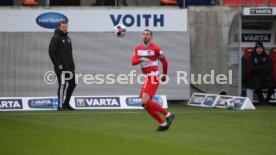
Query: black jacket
x=60 y=51
x=260 y=66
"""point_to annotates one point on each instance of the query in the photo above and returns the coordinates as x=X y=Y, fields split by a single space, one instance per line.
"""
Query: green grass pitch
x=195 y=131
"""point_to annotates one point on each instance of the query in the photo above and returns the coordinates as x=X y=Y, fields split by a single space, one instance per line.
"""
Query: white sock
x=168 y=115
x=163 y=124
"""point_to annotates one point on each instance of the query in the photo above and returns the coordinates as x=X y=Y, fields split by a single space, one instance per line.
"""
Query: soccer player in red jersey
x=148 y=55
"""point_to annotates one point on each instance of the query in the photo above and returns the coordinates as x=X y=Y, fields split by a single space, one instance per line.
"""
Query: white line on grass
x=125 y=112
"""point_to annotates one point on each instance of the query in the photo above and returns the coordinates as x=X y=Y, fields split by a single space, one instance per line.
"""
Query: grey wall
x=206 y=42
x=24 y=60
x=210 y=28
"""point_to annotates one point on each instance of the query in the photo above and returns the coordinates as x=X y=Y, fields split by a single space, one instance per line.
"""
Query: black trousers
x=263 y=83
x=62 y=86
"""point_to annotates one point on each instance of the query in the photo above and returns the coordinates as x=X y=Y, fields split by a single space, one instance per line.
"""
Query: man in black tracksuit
x=261 y=73
x=60 y=51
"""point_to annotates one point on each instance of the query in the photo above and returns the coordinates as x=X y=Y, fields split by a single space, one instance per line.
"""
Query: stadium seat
x=272 y=55
x=168 y=2
x=272 y=2
x=233 y=2
x=29 y=3
x=255 y=2
x=246 y=55
x=247 y=52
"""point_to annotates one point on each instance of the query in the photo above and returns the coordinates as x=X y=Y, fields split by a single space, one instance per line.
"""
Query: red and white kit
x=154 y=53
x=150 y=67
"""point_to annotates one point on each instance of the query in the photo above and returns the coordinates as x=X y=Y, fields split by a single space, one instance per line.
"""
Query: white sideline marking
x=124 y=112
x=63 y=113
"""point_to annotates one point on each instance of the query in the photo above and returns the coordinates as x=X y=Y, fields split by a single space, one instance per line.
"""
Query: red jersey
x=153 y=52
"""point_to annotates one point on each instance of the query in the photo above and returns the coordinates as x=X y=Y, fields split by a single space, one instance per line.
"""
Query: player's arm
x=165 y=64
x=135 y=59
x=53 y=49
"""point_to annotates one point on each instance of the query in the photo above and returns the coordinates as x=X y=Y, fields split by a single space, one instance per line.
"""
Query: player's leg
x=150 y=104
x=69 y=92
x=145 y=98
x=150 y=89
x=61 y=88
x=257 y=86
x=162 y=124
x=269 y=84
x=157 y=107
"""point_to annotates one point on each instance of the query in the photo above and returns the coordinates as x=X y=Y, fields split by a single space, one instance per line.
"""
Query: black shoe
x=169 y=120
x=162 y=128
x=68 y=107
x=60 y=108
x=266 y=102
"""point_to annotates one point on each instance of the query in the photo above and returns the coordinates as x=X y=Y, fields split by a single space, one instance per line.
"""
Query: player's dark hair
x=62 y=22
x=148 y=30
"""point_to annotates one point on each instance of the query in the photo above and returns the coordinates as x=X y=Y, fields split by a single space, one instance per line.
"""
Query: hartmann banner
x=96 y=20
